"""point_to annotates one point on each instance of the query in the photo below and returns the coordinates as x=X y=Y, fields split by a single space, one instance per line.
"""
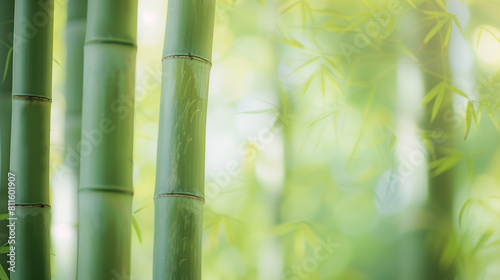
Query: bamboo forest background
x=345 y=140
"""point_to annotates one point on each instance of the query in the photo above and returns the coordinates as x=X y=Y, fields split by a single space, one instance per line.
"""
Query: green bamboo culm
x=75 y=38
x=105 y=190
x=179 y=193
x=6 y=32
x=440 y=240
x=66 y=215
x=30 y=142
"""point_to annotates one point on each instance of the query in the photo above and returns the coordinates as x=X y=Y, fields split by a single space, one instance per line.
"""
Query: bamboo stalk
x=440 y=188
x=75 y=37
x=6 y=30
x=179 y=193
x=65 y=182
x=105 y=191
x=30 y=145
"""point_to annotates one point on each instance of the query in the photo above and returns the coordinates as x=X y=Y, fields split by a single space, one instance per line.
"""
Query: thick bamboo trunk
x=30 y=142
x=105 y=191
x=6 y=30
x=179 y=194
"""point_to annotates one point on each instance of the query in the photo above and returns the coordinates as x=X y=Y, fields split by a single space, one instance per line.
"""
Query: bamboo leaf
x=6 y=68
x=407 y=51
x=57 y=62
x=462 y=210
x=448 y=35
x=468 y=118
x=445 y=163
x=457 y=23
x=137 y=229
x=433 y=93
x=3 y=275
x=3 y=217
x=4 y=250
x=484 y=238
x=308 y=84
x=142 y=208
x=459 y=92
x=393 y=141
x=307 y=63
x=434 y=30
x=437 y=104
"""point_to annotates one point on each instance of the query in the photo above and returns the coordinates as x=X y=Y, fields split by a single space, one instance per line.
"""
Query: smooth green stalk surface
x=105 y=191
x=30 y=142
x=439 y=237
x=75 y=37
x=181 y=145
x=6 y=31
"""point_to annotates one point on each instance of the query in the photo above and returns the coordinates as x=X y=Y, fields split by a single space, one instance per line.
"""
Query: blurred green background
x=317 y=155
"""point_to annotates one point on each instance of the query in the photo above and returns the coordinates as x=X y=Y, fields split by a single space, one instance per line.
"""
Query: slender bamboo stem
x=440 y=195
x=75 y=37
x=6 y=31
x=105 y=191
x=30 y=145
x=181 y=145
x=66 y=178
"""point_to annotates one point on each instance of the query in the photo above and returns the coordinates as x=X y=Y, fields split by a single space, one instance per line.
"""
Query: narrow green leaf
x=457 y=23
x=434 y=30
x=308 y=84
x=437 y=104
x=468 y=118
x=484 y=238
x=433 y=93
x=57 y=62
x=448 y=35
x=142 y=208
x=393 y=141
x=307 y=63
x=407 y=51
x=459 y=92
x=137 y=229
x=4 y=250
x=3 y=275
x=6 y=68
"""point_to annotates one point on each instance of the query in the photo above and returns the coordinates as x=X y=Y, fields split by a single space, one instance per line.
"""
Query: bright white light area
x=410 y=173
x=487 y=45
x=151 y=22
x=149 y=18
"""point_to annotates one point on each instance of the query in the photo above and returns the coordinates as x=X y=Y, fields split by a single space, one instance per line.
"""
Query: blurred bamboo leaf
x=3 y=275
x=6 y=68
x=137 y=229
